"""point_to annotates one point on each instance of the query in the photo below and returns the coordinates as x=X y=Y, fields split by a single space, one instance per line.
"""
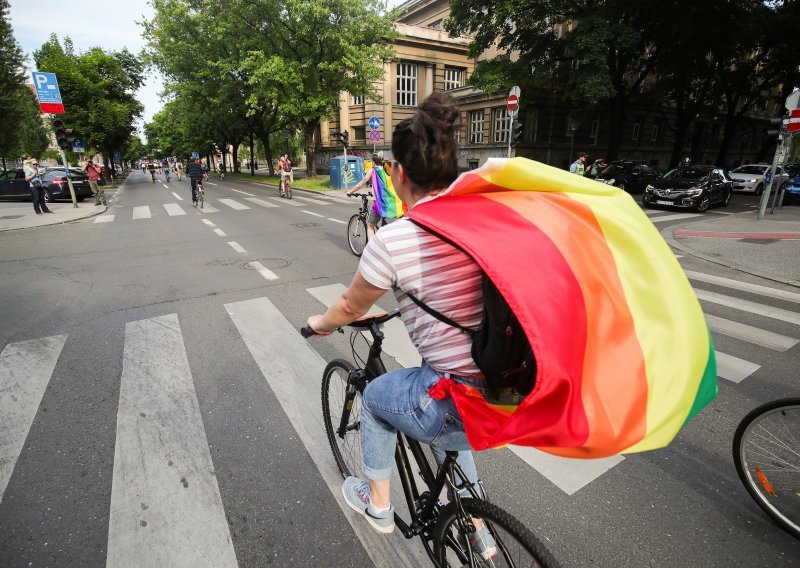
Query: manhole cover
x=270 y=263
x=759 y=241
x=12 y=216
x=305 y=225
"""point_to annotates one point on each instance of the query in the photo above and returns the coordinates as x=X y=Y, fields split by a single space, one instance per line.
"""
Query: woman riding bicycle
x=384 y=206
x=407 y=259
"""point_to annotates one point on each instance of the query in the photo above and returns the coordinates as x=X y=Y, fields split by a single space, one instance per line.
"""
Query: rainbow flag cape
x=624 y=356
x=386 y=204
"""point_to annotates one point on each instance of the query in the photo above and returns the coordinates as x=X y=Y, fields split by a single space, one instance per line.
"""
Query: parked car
x=693 y=187
x=13 y=185
x=751 y=178
x=628 y=175
x=791 y=187
x=57 y=188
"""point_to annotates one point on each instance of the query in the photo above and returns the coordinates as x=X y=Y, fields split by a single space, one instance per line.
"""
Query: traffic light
x=345 y=138
x=64 y=136
x=777 y=122
x=516 y=132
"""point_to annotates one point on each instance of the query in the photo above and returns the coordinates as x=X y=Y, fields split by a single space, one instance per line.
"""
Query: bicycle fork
x=355 y=383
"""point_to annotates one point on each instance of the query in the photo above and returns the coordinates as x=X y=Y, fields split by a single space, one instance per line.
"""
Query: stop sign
x=513 y=102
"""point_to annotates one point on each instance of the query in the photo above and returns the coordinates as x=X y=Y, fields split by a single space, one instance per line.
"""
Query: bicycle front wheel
x=357 y=234
x=342 y=414
x=288 y=190
x=515 y=545
x=766 y=451
x=200 y=198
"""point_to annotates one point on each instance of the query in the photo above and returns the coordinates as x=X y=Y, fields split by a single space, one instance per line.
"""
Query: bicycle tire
x=200 y=197
x=783 y=507
x=512 y=538
x=347 y=450
x=288 y=191
x=357 y=234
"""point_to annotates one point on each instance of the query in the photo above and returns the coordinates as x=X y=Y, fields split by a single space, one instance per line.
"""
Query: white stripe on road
x=751 y=334
x=286 y=201
x=747 y=306
x=734 y=369
x=208 y=208
x=651 y=212
x=174 y=209
x=178 y=197
x=260 y=202
x=165 y=185
x=743 y=286
x=265 y=272
x=104 y=219
x=166 y=508
x=678 y=256
x=312 y=213
x=207 y=222
x=336 y=220
x=236 y=246
x=240 y=191
x=567 y=474
x=141 y=212
x=674 y=217
x=312 y=200
x=233 y=204
x=25 y=370
x=210 y=183
x=220 y=232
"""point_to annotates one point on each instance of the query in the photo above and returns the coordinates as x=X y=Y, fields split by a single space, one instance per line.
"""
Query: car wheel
x=703 y=205
x=727 y=199
x=645 y=203
x=760 y=189
x=48 y=196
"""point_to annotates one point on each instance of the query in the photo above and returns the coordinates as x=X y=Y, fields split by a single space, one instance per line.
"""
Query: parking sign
x=47 y=92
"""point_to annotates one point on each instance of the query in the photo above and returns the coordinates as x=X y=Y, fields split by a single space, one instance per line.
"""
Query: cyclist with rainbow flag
x=386 y=205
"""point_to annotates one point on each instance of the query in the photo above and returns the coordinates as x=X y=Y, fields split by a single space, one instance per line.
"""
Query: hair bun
x=442 y=110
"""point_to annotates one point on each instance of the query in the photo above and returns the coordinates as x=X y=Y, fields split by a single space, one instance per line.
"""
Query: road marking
x=165 y=185
x=207 y=222
x=674 y=217
x=166 y=508
x=260 y=202
x=220 y=232
x=747 y=306
x=734 y=369
x=208 y=208
x=567 y=474
x=743 y=286
x=141 y=212
x=178 y=197
x=236 y=246
x=312 y=213
x=210 y=183
x=265 y=272
x=678 y=256
x=174 y=209
x=312 y=200
x=25 y=371
x=233 y=204
x=240 y=191
x=336 y=220
x=751 y=334
x=104 y=218
x=286 y=201
x=739 y=235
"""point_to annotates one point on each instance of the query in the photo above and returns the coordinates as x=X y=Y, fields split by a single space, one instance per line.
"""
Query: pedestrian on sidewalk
x=95 y=174
x=34 y=177
x=577 y=166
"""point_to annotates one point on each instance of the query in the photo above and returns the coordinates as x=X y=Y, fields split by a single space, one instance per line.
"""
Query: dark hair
x=425 y=144
x=376 y=159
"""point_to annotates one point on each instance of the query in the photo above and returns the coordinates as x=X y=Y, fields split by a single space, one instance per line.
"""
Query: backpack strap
x=438 y=315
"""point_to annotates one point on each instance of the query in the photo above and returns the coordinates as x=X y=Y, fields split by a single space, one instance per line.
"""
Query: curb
x=341 y=198
x=94 y=212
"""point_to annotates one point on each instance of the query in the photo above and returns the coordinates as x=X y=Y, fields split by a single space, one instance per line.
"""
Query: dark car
x=791 y=188
x=692 y=187
x=13 y=185
x=628 y=175
x=57 y=188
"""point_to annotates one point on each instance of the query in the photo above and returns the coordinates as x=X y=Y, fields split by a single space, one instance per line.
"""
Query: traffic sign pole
x=512 y=104
x=69 y=177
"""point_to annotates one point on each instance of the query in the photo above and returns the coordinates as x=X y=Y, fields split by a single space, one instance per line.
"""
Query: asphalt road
x=161 y=410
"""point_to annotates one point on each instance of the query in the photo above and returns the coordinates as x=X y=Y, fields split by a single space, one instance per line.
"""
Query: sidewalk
x=769 y=248
x=20 y=214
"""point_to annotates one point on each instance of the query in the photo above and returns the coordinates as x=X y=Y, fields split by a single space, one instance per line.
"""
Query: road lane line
x=25 y=371
x=265 y=272
x=104 y=218
x=312 y=200
x=233 y=204
x=260 y=202
x=747 y=306
x=743 y=286
x=141 y=212
x=236 y=246
x=165 y=185
x=166 y=508
x=286 y=201
x=674 y=217
x=240 y=191
x=210 y=183
x=678 y=256
x=336 y=220
x=734 y=369
x=312 y=213
x=751 y=334
x=174 y=209
x=178 y=197
x=220 y=232
x=207 y=222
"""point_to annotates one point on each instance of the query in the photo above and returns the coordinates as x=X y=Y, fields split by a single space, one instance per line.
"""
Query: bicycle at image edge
x=357 y=235
x=444 y=529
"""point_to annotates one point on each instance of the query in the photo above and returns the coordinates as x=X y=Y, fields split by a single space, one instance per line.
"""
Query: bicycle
x=443 y=528
x=153 y=175
x=166 y=175
x=766 y=452
x=199 y=193
x=221 y=176
x=285 y=188
x=357 y=235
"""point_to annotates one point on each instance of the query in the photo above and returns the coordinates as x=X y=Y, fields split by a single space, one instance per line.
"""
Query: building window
x=359 y=132
x=654 y=135
x=637 y=126
x=459 y=135
x=453 y=78
x=572 y=126
x=437 y=25
x=407 y=84
x=476 y=127
x=530 y=131
x=357 y=100
x=595 y=131
x=336 y=103
x=502 y=122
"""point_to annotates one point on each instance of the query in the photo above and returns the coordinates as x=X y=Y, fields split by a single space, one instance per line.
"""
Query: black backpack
x=500 y=347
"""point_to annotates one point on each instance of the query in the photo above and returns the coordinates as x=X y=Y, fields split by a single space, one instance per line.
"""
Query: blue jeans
x=399 y=401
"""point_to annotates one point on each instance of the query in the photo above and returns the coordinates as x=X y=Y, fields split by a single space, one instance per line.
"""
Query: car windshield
x=792 y=170
x=687 y=174
x=751 y=170
x=614 y=169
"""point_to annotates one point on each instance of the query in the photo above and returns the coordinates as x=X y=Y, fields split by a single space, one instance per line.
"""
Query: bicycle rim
x=766 y=451
x=516 y=546
x=346 y=449
x=357 y=234
x=289 y=191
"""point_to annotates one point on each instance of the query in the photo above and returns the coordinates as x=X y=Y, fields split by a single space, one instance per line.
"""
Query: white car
x=751 y=178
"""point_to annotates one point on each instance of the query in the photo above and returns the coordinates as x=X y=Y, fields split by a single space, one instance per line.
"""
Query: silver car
x=752 y=178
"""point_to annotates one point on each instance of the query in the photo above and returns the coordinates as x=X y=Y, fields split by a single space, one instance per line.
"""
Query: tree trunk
x=235 y=157
x=731 y=122
x=268 y=153
x=252 y=164
x=616 y=117
x=309 y=130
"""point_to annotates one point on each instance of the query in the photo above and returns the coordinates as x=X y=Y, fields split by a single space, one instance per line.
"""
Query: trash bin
x=352 y=174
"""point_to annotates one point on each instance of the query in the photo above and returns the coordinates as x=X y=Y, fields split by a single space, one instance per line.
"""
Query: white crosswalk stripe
x=311 y=200
x=751 y=334
x=676 y=217
x=233 y=204
x=743 y=286
x=284 y=201
x=174 y=209
x=748 y=306
x=260 y=202
x=207 y=208
x=734 y=369
x=240 y=191
x=104 y=219
x=141 y=212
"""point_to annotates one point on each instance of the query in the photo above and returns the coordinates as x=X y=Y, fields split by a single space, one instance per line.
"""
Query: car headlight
x=694 y=192
x=649 y=188
x=754 y=180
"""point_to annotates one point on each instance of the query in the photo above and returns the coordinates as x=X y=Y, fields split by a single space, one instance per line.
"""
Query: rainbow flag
x=624 y=356
x=386 y=204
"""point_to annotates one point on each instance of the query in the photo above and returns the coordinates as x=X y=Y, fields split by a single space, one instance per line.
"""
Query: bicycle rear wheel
x=346 y=448
x=200 y=197
x=357 y=234
x=766 y=452
x=516 y=545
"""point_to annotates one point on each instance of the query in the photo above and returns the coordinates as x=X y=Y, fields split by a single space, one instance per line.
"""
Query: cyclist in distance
x=221 y=170
x=194 y=172
x=405 y=258
x=384 y=194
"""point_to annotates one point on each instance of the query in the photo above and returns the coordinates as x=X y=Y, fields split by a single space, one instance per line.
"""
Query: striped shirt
x=406 y=258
